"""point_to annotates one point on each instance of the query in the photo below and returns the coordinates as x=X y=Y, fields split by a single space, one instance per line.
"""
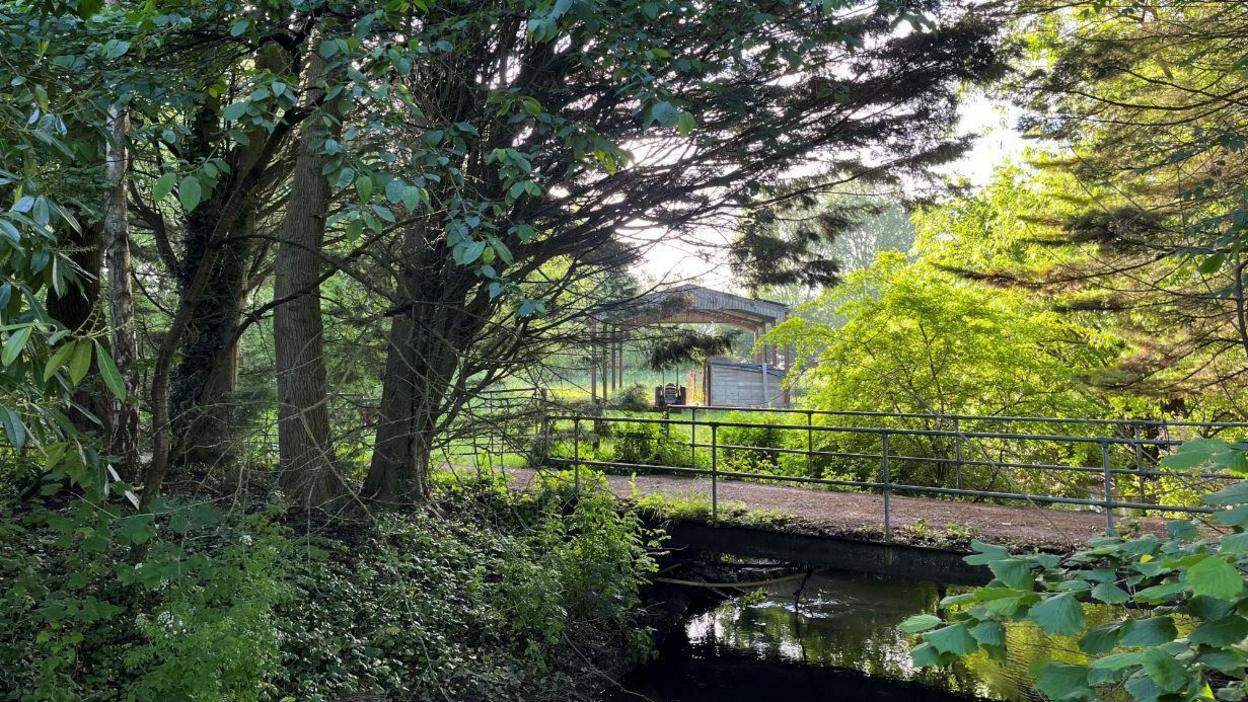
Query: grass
x=697 y=508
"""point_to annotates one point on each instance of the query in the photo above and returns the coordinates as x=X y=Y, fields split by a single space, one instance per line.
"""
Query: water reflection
x=838 y=633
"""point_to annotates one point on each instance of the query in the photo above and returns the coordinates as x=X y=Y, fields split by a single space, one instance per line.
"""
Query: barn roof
x=698 y=304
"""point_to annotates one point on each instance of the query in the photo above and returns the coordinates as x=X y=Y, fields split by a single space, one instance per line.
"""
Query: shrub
x=755 y=459
x=1178 y=634
x=486 y=602
x=649 y=444
x=635 y=398
x=103 y=606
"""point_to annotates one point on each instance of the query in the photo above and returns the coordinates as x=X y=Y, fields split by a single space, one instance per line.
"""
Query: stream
x=837 y=642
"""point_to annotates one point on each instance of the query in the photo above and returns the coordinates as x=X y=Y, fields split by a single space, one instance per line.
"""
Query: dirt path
x=914 y=518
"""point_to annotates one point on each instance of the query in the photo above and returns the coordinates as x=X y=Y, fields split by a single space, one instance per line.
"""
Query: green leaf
x=665 y=113
x=235 y=110
x=925 y=655
x=1233 y=494
x=364 y=187
x=1062 y=615
x=920 y=623
x=1222 y=632
x=190 y=192
x=1234 y=543
x=412 y=196
x=14 y=428
x=1211 y=264
x=1227 y=661
x=88 y=8
x=524 y=187
x=164 y=186
x=394 y=190
x=237 y=29
x=1014 y=573
x=1101 y=639
x=1060 y=681
x=80 y=363
x=115 y=48
x=1237 y=516
x=57 y=360
x=14 y=345
x=136 y=528
x=1183 y=530
x=989 y=633
x=1152 y=631
x=1118 y=661
x=469 y=251
x=685 y=124
x=112 y=376
x=1193 y=454
x=1159 y=593
x=955 y=639
x=986 y=553
x=1214 y=577
x=1164 y=670
x=1109 y=593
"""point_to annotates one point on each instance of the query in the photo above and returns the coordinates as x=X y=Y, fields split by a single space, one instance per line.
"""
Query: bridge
x=892 y=493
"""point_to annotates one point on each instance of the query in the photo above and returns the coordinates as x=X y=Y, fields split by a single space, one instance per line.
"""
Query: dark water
x=837 y=642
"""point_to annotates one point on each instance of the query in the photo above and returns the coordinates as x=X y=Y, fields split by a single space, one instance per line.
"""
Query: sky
x=998 y=142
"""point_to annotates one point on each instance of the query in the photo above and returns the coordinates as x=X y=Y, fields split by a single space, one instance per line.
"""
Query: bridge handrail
x=1110 y=474
x=968 y=417
x=899 y=431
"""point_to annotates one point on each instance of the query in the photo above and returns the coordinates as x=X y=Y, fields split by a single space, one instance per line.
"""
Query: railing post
x=810 y=444
x=714 y=474
x=957 y=453
x=1139 y=465
x=1109 y=485
x=667 y=416
x=693 y=437
x=888 y=522
x=576 y=455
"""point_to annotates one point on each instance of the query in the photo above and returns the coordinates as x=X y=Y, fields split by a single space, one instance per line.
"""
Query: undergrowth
x=484 y=596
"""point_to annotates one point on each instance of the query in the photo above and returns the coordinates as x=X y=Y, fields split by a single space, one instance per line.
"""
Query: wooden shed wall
x=741 y=385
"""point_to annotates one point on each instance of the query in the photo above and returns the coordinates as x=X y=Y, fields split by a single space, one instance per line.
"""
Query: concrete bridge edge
x=889 y=559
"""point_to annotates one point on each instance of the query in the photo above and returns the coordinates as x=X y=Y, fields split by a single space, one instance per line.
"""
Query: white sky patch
x=997 y=142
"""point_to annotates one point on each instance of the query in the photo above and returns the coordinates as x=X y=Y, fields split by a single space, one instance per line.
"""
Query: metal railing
x=1129 y=458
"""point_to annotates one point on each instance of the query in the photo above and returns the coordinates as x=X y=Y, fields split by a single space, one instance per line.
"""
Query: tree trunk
x=203 y=431
x=393 y=474
x=206 y=375
x=74 y=307
x=308 y=474
x=123 y=416
x=228 y=217
x=420 y=367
